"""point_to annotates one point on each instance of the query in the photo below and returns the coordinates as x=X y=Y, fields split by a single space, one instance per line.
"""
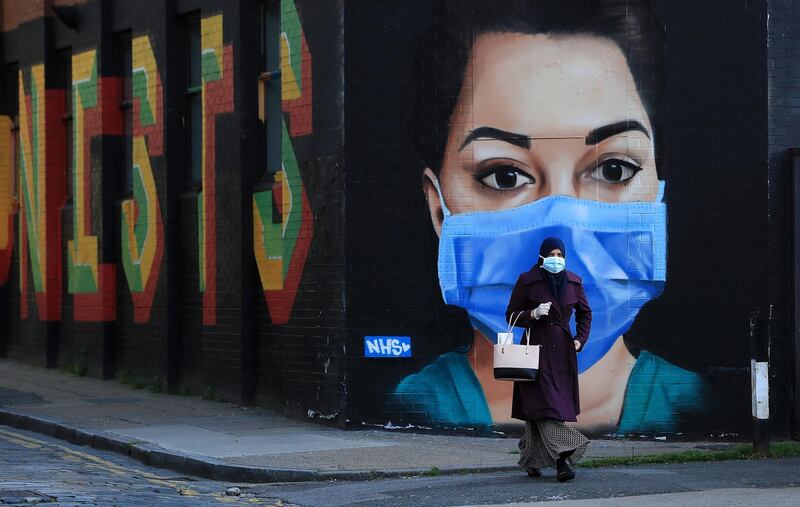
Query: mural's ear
x=434 y=202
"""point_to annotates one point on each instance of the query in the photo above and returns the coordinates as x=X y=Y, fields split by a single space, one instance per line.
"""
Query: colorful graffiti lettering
x=142 y=224
x=282 y=218
x=217 y=98
x=281 y=243
x=93 y=285
x=148 y=94
x=7 y=205
x=142 y=233
x=41 y=189
x=296 y=81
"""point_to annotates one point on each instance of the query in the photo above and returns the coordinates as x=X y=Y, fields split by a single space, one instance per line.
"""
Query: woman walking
x=543 y=300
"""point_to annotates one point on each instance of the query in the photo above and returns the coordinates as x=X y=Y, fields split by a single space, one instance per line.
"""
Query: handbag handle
x=514 y=322
x=527 y=331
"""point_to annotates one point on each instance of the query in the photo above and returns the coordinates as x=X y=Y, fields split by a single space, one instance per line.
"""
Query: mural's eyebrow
x=606 y=131
x=500 y=135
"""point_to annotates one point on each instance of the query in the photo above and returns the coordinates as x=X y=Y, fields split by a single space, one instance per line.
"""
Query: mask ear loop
x=435 y=182
x=660 y=196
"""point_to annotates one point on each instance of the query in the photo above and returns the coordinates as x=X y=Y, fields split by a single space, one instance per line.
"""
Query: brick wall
x=712 y=120
x=167 y=283
x=783 y=47
x=259 y=284
x=301 y=362
x=392 y=284
x=15 y=12
x=694 y=323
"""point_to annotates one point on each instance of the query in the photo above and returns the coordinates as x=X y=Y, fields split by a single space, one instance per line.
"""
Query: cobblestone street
x=38 y=469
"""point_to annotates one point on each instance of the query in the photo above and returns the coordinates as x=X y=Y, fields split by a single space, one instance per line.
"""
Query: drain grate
x=22 y=497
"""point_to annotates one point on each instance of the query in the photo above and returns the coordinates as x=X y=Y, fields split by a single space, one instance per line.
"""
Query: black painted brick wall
x=301 y=365
x=715 y=127
x=783 y=47
x=392 y=284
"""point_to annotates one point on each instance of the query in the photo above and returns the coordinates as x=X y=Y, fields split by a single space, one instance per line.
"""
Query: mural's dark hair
x=441 y=54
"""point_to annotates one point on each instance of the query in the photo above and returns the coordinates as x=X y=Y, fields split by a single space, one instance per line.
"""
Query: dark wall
x=392 y=284
x=715 y=128
x=783 y=49
x=301 y=360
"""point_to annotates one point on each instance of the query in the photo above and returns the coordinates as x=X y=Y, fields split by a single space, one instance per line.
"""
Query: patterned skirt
x=545 y=439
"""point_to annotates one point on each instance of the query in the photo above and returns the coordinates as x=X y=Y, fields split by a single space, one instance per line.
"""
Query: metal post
x=759 y=381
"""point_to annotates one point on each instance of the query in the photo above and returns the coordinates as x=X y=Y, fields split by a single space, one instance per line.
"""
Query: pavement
x=731 y=497
x=226 y=442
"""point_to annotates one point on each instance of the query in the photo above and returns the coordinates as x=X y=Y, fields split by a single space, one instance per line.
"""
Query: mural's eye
x=505 y=177
x=614 y=170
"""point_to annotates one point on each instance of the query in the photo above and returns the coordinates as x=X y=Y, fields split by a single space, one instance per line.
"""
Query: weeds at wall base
x=75 y=369
x=155 y=385
x=777 y=450
x=128 y=378
x=80 y=366
x=186 y=391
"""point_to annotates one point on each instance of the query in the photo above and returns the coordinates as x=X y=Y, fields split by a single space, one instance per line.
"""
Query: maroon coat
x=554 y=394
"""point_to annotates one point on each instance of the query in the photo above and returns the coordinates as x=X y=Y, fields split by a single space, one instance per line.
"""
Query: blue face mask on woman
x=554 y=265
x=619 y=249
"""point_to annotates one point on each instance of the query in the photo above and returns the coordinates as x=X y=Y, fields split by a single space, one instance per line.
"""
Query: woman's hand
x=577 y=345
x=541 y=310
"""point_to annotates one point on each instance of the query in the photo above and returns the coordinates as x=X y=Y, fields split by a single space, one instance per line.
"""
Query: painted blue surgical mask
x=619 y=249
x=554 y=265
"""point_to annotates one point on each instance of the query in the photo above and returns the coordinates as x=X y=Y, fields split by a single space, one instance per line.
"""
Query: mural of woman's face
x=542 y=115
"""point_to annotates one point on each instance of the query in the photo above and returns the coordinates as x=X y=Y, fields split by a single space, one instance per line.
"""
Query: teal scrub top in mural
x=657 y=393
x=450 y=393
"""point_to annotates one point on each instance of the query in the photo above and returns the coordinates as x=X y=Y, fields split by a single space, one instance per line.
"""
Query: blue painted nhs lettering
x=387 y=346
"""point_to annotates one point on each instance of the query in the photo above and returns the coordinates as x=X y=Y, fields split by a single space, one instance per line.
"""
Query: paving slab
x=220 y=444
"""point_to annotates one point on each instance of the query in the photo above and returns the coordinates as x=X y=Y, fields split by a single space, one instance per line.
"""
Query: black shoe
x=534 y=473
x=564 y=472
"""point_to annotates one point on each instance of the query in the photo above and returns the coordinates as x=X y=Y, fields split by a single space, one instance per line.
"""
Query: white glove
x=541 y=310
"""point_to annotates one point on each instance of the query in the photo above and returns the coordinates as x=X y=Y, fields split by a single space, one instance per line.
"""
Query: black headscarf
x=556 y=282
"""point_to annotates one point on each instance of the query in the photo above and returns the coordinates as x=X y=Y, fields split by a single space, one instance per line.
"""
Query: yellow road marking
x=97 y=462
x=24 y=443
